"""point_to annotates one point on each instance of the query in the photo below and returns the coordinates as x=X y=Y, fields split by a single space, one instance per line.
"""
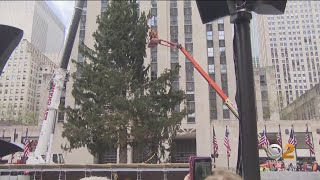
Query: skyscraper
x=25 y=78
x=24 y=84
x=289 y=43
x=41 y=26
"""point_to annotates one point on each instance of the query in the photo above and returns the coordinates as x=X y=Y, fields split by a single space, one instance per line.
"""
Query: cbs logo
x=274 y=151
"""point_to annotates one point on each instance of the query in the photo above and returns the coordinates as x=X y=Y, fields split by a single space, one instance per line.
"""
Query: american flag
x=309 y=143
x=215 y=144
x=279 y=139
x=292 y=139
x=26 y=150
x=226 y=142
x=264 y=140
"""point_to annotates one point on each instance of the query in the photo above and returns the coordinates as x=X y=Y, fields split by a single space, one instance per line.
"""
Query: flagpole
x=309 y=145
x=313 y=144
x=214 y=151
x=228 y=161
x=227 y=135
x=295 y=149
x=280 y=136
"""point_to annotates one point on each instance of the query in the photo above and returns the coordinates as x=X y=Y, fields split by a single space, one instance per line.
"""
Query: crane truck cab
x=54 y=159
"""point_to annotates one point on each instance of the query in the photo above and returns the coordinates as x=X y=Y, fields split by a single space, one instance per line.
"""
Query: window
x=184 y=148
x=210 y=44
x=210 y=60
x=221 y=35
x=173 y=11
x=226 y=114
x=209 y=35
x=211 y=68
x=210 y=52
x=220 y=27
x=222 y=43
x=223 y=68
x=153 y=11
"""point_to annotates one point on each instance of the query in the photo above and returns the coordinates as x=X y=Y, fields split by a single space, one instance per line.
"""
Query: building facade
x=23 y=84
x=289 y=43
x=266 y=99
x=306 y=107
x=41 y=26
x=255 y=41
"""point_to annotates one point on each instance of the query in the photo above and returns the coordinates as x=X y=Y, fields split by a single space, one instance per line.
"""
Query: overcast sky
x=64 y=9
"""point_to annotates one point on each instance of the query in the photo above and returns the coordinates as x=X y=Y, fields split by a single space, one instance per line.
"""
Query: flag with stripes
x=215 y=144
x=279 y=139
x=309 y=143
x=26 y=150
x=226 y=142
x=292 y=139
x=264 y=140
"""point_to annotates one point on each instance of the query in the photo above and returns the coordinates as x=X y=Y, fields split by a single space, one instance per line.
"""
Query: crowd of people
x=280 y=166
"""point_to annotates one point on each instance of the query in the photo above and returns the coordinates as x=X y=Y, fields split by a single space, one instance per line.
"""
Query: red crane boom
x=154 y=41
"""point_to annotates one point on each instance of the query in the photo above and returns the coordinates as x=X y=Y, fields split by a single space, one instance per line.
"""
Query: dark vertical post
x=72 y=34
x=228 y=162
x=247 y=104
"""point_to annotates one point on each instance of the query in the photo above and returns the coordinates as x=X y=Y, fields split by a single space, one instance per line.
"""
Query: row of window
x=174 y=53
x=188 y=65
x=154 y=50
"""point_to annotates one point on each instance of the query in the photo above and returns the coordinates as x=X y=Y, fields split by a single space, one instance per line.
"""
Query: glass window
x=211 y=68
x=209 y=35
x=222 y=43
x=210 y=60
x=220 y=27
x=210 y=52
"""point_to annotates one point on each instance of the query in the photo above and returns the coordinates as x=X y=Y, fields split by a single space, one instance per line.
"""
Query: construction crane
x=42 y=154
x=154 y=40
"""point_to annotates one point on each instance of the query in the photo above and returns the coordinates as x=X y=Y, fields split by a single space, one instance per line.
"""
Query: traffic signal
x=10 y=37
x=215 y=9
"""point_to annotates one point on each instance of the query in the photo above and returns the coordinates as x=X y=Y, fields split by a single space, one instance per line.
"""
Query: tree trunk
x=123 y=146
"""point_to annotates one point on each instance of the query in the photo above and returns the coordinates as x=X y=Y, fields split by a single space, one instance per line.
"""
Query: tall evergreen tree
x=118 y=103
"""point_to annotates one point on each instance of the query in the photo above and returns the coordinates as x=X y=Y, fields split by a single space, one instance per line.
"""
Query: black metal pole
x=247 y=103
x=72 y=34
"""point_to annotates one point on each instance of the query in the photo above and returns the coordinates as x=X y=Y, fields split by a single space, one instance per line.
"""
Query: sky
x=63 y=9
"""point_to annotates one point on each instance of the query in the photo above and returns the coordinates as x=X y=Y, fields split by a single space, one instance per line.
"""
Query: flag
x=226 y=142
x=215 y=144
x=292 y=139
x=264 y=140
x=309 y=143
x=279 y=139
x=26 y=150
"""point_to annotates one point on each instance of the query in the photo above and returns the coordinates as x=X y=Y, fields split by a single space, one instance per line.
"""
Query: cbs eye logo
x=274 y=151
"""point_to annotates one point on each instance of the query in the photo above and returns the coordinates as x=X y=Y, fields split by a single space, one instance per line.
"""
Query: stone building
x=306 y=107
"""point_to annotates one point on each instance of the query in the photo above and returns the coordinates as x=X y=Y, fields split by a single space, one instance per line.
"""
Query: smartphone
x=200 y=167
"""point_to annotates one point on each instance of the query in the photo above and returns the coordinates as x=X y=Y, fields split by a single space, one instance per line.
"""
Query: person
x=220 y=174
